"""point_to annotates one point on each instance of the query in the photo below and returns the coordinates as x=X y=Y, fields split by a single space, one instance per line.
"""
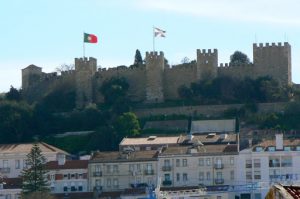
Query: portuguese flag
x=89 y=38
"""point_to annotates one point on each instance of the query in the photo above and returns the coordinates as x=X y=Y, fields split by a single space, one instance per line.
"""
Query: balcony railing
x=167 y=183
x=97 y=173
x=219 y=166
x=149 y=172
x=271 y=164
x=4 y=170
x=97 y=188
x=219 y=181
x=166 y=168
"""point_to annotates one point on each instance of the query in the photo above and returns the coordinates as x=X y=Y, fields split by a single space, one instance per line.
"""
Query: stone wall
x=207 y=110
x=183 y=74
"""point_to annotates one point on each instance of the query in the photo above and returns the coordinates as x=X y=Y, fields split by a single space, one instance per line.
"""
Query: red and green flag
x=89 y=38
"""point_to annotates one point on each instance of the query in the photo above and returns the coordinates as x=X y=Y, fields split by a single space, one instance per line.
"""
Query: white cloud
x=262 y=11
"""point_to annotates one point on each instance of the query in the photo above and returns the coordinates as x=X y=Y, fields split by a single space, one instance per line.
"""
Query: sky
x=49 y=33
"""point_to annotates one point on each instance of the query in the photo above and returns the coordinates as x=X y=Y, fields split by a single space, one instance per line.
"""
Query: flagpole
x=153 y=40
x=83 y=46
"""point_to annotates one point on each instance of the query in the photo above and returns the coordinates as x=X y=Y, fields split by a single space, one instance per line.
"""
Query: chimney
x=61 y=158
x=279 y=141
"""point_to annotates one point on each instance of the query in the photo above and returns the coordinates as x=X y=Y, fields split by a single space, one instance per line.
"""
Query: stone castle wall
x=183 y=74
x=154 y=82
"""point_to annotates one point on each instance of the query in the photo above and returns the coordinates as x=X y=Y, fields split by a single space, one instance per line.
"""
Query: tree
x=138 y=58
x=127 y=125
x=65 y=67
x=13 y=94
x=239 y=58
x=185 y=60
x=114 y=90
x=185 y=92
x=34 y=176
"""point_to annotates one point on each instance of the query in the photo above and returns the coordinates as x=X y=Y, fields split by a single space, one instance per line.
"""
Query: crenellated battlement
x=210 y=52
x=154 y=82
x=264 y=45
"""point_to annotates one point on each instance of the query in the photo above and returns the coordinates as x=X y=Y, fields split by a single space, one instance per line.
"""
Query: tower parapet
x=207 y=64
x=31 y=75
x=84 y=69
x=273 y=60
x=155 y=64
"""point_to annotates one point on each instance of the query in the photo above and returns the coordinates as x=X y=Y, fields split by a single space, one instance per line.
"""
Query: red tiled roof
x=293 y=191
x=69 y=164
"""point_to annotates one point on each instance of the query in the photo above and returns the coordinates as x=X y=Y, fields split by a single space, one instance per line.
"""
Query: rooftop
x=116 y=156
x=213 y=126
x=151 y=140
x=201 y=150
x=211 y=138
x=69 y=164
x=268 y=145
x=25 y=148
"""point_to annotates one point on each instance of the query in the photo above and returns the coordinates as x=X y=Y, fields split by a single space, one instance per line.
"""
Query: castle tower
x=273 y=60
x=84 y=70
x=30 y=75
x=155 y=64
x=207 y=64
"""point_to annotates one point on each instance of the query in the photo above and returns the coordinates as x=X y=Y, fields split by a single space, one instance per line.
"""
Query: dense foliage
x=228 y=90
x=239 y=58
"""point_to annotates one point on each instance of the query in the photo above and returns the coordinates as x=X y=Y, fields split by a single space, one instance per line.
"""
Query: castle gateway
x=156 y=81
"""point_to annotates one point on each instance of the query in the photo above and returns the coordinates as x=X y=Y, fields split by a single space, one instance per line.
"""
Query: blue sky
x=48 y=33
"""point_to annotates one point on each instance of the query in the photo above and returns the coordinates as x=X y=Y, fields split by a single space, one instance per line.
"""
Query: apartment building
x=13 y=156
x=268 y=163
x=10 y=188
x=205 y=160
x=67 y=176
x=120 y=170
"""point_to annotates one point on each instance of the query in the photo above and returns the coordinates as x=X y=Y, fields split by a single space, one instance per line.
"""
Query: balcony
x=166 y=168
x=98 y=188
x=274 y=164
x=219 y=166
x=97 y=173
x=149 y=172
x=219 y=181
x=167 y=182
x=4 y=170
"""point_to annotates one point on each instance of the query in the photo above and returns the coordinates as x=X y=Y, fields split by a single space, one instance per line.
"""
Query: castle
x=156 y=81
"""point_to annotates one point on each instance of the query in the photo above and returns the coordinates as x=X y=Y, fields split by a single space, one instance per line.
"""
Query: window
x=115 y=168
x=138 y=167
x=17 y=164
x=287 y=148
x=52 y=177
x=274 y=174
x=256 y=163
x=208 y=176
x=271 y=148
x=201 y=162
x=219 y=175
x=131 y=167
x=108 y=182
x=98 y=182
x=80 y=187
x=231 y=160
x=232 y=175
x=298 y=148
x=116 y=182
x=184 y=162
x=65 y=176
x=274 y=162
x=167 y=177
x=65 y=187
x=258 y=149
x=249 y=175
x=248 y=163
x=97 y=168
x=219 y=197
x=257 y=175
x=286 y=161
x=148 y=148
x=167 y=162
x=178 y=177
x=5 y=163
x=184 y=177
x=257 y=196
x=201 y=176
x=80 y=176
x=72 y=176
x=208 y=161
x=109 y=169
x=177 y=162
